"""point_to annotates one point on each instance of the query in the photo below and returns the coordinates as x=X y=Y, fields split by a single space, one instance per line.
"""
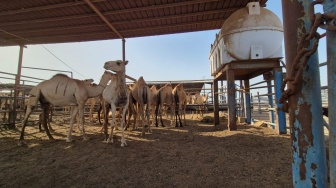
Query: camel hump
x=60 y=75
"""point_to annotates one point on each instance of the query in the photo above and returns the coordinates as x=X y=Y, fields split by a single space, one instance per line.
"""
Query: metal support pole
x=280 y=115
x=270 y=100
x=231 y=88
x=242 y=99
x=215 y=98
x=330 y=8
x=123 y=49
x=247 y=101
x=305 y=107
x=16 y=87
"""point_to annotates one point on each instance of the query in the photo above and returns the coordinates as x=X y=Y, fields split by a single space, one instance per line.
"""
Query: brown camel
x=165 y=98
x=61 y=90
x=142 y=94
x=180 y=99
x=115 y=95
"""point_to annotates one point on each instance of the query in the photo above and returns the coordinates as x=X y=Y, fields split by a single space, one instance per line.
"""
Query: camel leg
x=106 y=109
x=45 y=118
x=162 y=125
x=141 y=109
x=123 y=117
x=114 y=109
x=81 y=120
x=72 y=118
x=184 y=113
x=148 y=118
x=24 y=122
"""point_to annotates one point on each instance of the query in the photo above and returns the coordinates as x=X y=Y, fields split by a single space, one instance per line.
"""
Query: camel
x=115 y=95
x=51 y=110
x=142 y=94
x=180 y=99
x=199 y=101
x=61 y=90
x=165 y=98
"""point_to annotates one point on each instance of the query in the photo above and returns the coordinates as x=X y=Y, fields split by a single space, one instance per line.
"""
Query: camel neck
x=122 y=83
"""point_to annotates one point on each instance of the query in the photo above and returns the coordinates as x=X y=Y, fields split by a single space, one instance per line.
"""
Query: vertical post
x=231 y=89
x=16 y=87
x=330 y=8
x=215 y=99
x=259 y=105
x=305 y=107
x=123 y=50
x=247 y=101
x=242 y=99
x=280 y=115
x=270 y=99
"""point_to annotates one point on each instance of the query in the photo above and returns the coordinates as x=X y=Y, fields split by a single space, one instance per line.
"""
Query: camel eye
x=118 y=63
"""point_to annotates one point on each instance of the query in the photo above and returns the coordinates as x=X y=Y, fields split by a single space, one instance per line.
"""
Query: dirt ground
x=196 y=155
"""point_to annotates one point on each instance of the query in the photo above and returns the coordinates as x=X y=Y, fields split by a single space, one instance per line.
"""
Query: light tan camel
x=165 y=99
x=142 y=94
x=197 y=99
x=61 y=90
x=51 y=110
x=180 y=98
x=115 y=95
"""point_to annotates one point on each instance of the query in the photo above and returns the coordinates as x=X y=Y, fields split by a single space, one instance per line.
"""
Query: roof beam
x=94 y=8
x=31 y=30
x=108 y=12
x=47 y=7
x=36 y=39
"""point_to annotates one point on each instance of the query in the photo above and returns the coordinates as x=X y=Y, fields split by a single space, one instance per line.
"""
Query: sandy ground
x=196 y=155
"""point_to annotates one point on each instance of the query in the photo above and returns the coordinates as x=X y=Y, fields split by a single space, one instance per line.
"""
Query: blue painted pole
x=305 y=106
x=280 y=115
x=270 y=100
x=330 y=7
x=247 y=101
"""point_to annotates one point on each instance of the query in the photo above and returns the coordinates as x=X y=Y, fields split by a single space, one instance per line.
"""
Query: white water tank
x=252 y=33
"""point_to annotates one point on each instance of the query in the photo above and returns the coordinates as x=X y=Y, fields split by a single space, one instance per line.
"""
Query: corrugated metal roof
x=59 y=21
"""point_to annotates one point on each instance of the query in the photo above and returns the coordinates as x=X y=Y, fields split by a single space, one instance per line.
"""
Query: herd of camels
x=137 y=99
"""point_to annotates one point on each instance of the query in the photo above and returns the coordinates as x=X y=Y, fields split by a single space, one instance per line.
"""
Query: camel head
x=116 y=66
x=88 y=81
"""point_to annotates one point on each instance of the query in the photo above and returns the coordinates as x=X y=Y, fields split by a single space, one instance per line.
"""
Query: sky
x=172 y=57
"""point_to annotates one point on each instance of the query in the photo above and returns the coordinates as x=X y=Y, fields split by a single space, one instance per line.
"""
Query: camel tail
x=158 y=101
x=176 y=100
x=144 y=95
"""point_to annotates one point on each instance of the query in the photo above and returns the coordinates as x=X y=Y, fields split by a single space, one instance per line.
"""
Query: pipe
x=305 y=113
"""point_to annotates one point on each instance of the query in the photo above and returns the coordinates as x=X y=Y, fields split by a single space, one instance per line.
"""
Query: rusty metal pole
x=247 y=101
x=231 y=89
x=16 y=87
x=280 y=115
x=215 y=99
x=305 y=106
x=329 y=7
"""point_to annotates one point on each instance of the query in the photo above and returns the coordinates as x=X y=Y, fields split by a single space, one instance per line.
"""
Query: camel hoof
x=123 y=144
x=21 y=143
x=109 y=141
x=69 y=140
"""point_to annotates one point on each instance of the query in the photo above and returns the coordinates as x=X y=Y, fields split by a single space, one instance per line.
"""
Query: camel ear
x=126 y=62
